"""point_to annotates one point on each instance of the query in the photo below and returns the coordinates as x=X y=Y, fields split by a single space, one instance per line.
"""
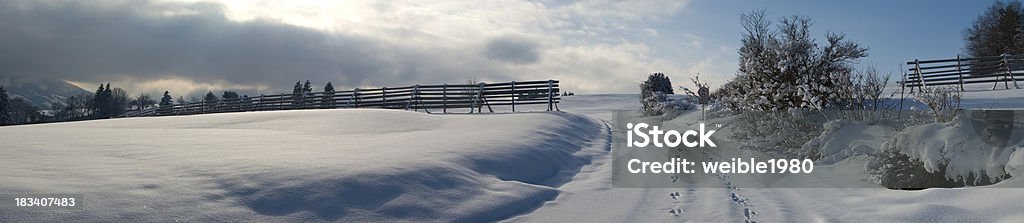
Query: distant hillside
x=41 y=92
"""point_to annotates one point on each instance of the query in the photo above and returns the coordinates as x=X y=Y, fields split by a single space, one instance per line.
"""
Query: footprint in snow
x=676 y=211
x=748 y=215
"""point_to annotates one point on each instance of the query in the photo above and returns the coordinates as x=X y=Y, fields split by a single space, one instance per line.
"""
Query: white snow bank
x=351 y=165
x=982 y=96
x=969 y=145
x=842 y=139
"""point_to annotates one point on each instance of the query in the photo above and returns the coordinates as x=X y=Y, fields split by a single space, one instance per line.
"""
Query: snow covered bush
x=661 y=104
x=785 y=68
x=971 y=149
x=781 y=132
x=899 y=171
x=943 y=101
x=653 y=93
x=859 y=97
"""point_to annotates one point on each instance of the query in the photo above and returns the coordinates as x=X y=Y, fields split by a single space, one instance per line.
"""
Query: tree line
x=108 y=102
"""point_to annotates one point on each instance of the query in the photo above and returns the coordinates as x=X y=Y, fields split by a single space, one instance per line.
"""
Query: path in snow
x=589 y=197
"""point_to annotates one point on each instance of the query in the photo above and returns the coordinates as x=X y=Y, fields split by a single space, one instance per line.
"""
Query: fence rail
x=960 y=71
x=443 y=97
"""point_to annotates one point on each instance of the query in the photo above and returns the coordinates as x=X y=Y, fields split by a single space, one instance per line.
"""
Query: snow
x=970 y=145
x=314 y=165
x=837 y=191
x=367 y=165
x=842 y=139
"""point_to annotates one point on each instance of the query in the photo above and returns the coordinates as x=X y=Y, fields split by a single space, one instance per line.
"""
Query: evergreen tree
x=5 y=107
x=653 y=91
x=307 y=87
x=296 y=93
x=166 y=103
x=230 y=100
x=107 y=107
x=210 y=97
x=229 y=95
x=659 y=82
x=329 y=87
x=298 y=88
x=210 y=100
x=100 y=102
x=328 y=101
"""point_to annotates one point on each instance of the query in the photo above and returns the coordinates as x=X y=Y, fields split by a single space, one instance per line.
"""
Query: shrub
x=784 y=68
x=780 y=132
x=899 y=171
x=944 y=102
x=650 y=99
x=670 y=107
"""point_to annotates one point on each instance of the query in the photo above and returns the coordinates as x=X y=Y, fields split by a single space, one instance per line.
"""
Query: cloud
x=512 y=49
x=147 y=41
x=193 y=46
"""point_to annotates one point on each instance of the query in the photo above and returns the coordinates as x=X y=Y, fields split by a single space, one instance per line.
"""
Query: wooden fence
x=961 y=71
x=429 y=98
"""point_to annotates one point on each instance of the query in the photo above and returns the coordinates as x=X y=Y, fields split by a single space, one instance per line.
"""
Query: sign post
x=705 y=96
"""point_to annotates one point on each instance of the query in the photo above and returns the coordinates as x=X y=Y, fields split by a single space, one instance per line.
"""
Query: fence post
x=355 y=97
x=1009 y=72
x=513 y=96
x=472 y=104
x=1006 y=66
x=550 y=91
x=959 y=74
x=384 y=97
x=920 y=78
x=444 y=99
x=903 y=87
x=412 y=97
x=483 y=99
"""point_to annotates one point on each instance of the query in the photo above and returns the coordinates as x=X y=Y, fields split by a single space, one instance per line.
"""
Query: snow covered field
x=387 y=165
x=313 y=165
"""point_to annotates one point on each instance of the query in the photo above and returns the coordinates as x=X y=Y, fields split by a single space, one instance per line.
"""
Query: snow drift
x=975 y=144
x=311 y=165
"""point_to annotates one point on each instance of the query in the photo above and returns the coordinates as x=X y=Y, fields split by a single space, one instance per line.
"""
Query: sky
x=190 y=47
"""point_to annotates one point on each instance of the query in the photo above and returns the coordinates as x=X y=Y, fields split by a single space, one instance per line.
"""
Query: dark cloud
x=513 y=49
x=104 y=41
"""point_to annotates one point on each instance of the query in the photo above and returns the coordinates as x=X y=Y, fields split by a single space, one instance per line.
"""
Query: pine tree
x=653 y=91
x=298 y=88
x=5 y=107
x=308 y=87
x=107 y=105
x=328 y=101
x=166 y=103
x=210 y=100
x=229 y=95
x=100 y=104
x=296 y=93
x=329 y=87
x=210 y=97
